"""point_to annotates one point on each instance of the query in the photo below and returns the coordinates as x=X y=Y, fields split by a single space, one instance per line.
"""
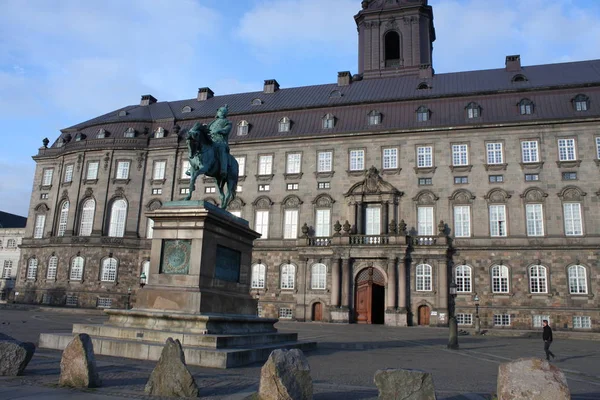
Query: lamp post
x=128 y=305
x=477 y=321
x=453 y=339
x=142 y=280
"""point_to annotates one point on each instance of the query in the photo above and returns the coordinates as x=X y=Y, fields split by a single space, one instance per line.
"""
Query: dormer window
x=130 y=133
x=101 y=134
x=525 y=107
x=581 y=102
x=473 y=110
x=79 y=137
x=160 y=132
x=328 y=121
x=519 y=78
x=335 y=93
x=186 y=109
x=242 y=128
x=374 y=118
x=284 y=124
x=61 y=142
x=257 y=102
x=122 y=113
x=423 y=86
x=423 y=114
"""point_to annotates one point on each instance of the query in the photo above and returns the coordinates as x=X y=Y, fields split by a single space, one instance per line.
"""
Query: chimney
x=344 y=78
x=205 y=93
x=271 y=86
x=513 y=63
x=147 y=99
x=425 y=71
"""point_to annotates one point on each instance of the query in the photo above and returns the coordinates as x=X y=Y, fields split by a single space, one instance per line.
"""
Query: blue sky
x=63 y=62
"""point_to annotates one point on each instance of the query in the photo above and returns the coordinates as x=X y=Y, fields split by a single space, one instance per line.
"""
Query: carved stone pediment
x=372 y=184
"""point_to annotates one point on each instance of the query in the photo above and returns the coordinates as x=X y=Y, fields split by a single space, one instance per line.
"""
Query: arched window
x=422 y=114
x=118 y=216
x=146 y=271
x=186 y=109
x=109 y=270
x=318 y=276
x=32 y=266
x=63 y=218
x=328 y=121
x=288 y=276
x=463 y=279
x=284 y=124
x=423 y=86
x=11 y=244
x=374 y=117
x=392 y=49
x=76 y=269
x=519 y=78
x=52 y=267
x=525 y=107
x=257 y=102
x=500 y=279
x=424 y=278
x=87 y=217
x=259 y=272
x=577 y=279
x=7 y=272
x=538 y=281
x=581 y=102
x=242 y=128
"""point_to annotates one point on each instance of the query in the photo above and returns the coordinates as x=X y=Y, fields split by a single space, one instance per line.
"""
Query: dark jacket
x=547 y=336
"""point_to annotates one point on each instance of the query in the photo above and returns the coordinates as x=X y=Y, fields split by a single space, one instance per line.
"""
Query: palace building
x=372 y=194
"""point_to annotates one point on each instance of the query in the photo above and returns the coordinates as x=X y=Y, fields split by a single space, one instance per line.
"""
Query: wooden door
x=424 y=313
x=318 y=312
x=363 y=302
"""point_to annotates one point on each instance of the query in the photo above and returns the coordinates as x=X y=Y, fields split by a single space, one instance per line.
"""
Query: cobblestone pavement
x=343 y=366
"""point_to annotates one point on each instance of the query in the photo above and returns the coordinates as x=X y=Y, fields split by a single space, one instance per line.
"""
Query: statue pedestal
x=198 y=291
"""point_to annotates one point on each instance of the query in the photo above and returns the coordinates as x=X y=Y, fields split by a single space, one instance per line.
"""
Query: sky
x=66 y=61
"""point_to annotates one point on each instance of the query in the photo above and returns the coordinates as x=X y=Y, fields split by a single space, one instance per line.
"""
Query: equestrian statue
x=208 y=151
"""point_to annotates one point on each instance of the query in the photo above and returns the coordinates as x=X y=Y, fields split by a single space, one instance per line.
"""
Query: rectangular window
x=373 y=225
x=598 y=148
x=265 y=165
x=462 y=221
x=572 y=215
x=157 y=191
x=44 y=196
x=264 y=188
x=72 y=300
x=390 y=158
x=104 y=302
x=185 y=167
x=464 y=319
x=294 y=162
x=459 y=180
x=357 y=160
x=580 y=322
x=425 y=181
x=569 y=176
x=290 y=228
x=498 y=220
x=460 y=155
x=47 y=178
x=424 y=157
x=323 y=223
x=425 y=221
x=159 y=170
x=285 y=313
x=149 y=228
x=324 y=185
x=494 y=153
x=532 y=177
x=324 y=162
x=123 y=170
x=566 y=150
x=184 y=191
x=535 y=220
x=241 y=165
x=261 y=224
x=537 y=320
x=529 y=151
x=501 y=319
x=210 y=189
x=92 y=171
x=40 y=221
x=68 y=173
x=292 y=186
x=496 y=178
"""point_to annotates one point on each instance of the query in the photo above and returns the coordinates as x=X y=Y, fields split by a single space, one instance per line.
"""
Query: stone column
x=402 y=285
x=335 y=282
x=346 y=283
x=391 y=284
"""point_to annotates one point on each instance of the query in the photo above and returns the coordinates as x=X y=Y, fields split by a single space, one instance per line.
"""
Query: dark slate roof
x=8 y=220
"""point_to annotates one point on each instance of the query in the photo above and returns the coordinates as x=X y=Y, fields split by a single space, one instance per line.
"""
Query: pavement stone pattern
x=342 y=367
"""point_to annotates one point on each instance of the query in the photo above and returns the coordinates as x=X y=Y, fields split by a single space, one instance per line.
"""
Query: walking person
x=547 y=336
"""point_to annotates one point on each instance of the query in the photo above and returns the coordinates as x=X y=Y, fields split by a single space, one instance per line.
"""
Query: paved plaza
x=343 y=366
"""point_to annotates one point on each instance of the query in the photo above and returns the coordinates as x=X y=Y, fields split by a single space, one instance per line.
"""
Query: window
x=102 y=133
x=569 y=176
x=577 y=280
x=324 y=185
x=242 y=128
x=390 y=158
x=210 y=189
x=323 y=222
x=68 y=173
x=185 y=167
x=7 y=271
x=47 y=177
x=424 y=157
x=318 y=276
x=498 y=220
x=290 y=225
x=285 y=313
x=494 y=153
x=76 y=269
x=496 y=178
x=526 y=107
x=288 y=276
x=374 y=118
x=159 y=132
x=538 y=279
x=44 y=196
x=159 y=170
x=460 y=155
x=292 y=186
x=104 y=302
x=87 y=217
x=538 y=320
x=598 y=147
x=422 y=114
x=32 y=268
x=262 y=223
x=72 y=300
x=241 y=165
x=425 y=221
x=328 y=121
x=63 y=218
x=123 y=169
x=373 y=220
x=294 y=162
x=580 y=322
x=259 y=272
x=324 y=162
x=500 y=279
x=529 y=151
x=473 y=111
x=464 y=319
x=265 y=165
x=259 y=310
x=146 y=270
x=257 y=102
x=424 y=278
x=463 y=279
x=149 y=228
x=156 y=191
x=462 y=221
x=572 y=215
x=11 y=244
x=118 y=217
x=184 y=191
x=566 y=150
x=109 y=270
x=357 y=160
x=460 y=180
x=130 y=133
x=264 y=187
x=580 y=102
x=535 y=220
x=92 y=171
x=40 y=222
x=52 y=267
x=532 y=177
x=501 y=319
x=284 y=124
x=425 y=181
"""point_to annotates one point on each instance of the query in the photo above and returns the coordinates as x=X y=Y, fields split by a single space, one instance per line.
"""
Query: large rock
x=532 y=379
x=405 y=384
x=171 y=377
x=78 y=364
x=14 y=357
x=286 y=376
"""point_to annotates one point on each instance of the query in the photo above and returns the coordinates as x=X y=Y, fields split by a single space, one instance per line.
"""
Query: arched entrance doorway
x=370 y=297
x=424 y=313
x=317 y=312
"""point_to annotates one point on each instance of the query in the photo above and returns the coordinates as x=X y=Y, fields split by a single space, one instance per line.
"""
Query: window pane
x=69 y=173
x=265 y=165
x=47 y=178
x=460 y=154
x=324 y=162
x=118 y=216
x=123 y=170
x=294 y=162
x=373 y=225
x=92 y=172
x=494 y=153
x=425 y=221
x=566 y=149
x=241 y=165
x=357 y=160
x=262 y=224
x=159 y=170
x=291 y=224
x=462 y=221
x=323 y=223
x=40 y=222
x=424 y=157
x=497 y=220
x=529 y=151
x=572 y=217
x=535 y=222
x=390 y=158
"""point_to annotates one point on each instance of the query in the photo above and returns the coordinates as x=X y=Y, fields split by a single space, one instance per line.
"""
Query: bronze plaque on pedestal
x=175 y=257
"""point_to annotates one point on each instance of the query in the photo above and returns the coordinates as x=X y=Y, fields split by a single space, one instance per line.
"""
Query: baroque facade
x=372 y=194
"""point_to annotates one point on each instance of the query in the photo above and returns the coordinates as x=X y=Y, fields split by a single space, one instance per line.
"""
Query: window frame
x=495 y=224
x=356 y=158
x=68 y=175
x=32 y=269
x=63 y=218
x=118 y=218
x=258 y=276
x=265 y=164
x=287 y=276
x=530 y=150
x=40 y=226
x=159 y=173
x=297 y=164
x=578 y=279
x=318 y=277
x=76 y=270
x=460 y=154
x=463 y=278
x=423 y=156
x=119 y=174
x=261 y=226
x=497 y=154
x=501 y=279
x=462 y=222
x=47 y=177
x=96 y=170
x=567 y=149
x=322 y=162
x=322 y=225
x=290 y=227
x=535 y=226
x=538 y=280
x=427 y=224
x=391 y=159
x=571 y=231
x=109 y=270
x=284 y=125
x=424 y=278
